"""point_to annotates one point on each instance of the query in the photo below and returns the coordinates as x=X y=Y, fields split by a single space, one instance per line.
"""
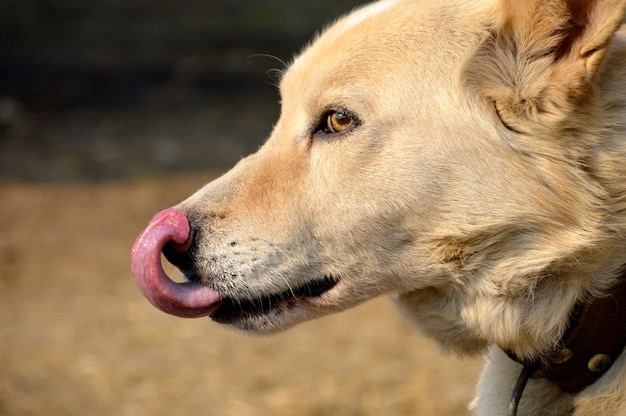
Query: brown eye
x=334 y=122
x=338 y=122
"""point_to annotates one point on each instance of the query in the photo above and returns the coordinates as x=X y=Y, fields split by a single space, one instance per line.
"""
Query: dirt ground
x=77 y=337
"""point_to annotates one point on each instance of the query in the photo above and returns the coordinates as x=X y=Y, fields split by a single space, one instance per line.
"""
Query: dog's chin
x=275 y=312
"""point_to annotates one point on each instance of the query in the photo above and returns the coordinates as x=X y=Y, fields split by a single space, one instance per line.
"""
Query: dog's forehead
x=345 y=55
x=350 y=38
x=392 y=41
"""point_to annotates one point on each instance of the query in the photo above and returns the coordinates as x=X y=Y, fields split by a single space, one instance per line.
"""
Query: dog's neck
x=594 y=339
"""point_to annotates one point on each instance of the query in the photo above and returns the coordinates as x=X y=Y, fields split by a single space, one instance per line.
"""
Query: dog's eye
x=335 y=122
x=338 y=122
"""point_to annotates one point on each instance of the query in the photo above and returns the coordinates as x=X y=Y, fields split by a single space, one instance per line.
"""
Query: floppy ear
x=539 y=62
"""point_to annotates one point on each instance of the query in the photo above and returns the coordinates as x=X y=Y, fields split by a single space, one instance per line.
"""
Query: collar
x=594 y=339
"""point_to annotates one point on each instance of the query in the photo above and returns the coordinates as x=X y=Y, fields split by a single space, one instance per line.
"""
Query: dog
x=466 y=158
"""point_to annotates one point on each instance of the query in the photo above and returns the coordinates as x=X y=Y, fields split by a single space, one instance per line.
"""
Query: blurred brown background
x=110 y=111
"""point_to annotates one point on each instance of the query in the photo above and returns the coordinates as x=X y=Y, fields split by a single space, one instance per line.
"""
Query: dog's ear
x=539 y=62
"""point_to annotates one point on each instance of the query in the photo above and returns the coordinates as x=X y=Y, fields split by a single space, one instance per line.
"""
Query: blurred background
x=111 y=110
x=111 y=88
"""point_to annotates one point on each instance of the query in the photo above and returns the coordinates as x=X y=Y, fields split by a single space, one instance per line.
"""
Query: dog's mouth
x=192 y=299
x=233 y=310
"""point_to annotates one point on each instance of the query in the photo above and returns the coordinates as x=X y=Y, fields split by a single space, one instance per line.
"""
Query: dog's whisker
x=274 y=74
x=289 y=286
x=267 y=55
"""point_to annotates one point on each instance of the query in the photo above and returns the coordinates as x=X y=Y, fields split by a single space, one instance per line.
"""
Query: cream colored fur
x=483 y=183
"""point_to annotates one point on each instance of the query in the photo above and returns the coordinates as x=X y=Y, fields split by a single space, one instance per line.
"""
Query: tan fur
x=484 y=185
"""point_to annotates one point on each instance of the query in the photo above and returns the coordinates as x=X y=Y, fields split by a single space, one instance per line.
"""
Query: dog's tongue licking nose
x=187 y=300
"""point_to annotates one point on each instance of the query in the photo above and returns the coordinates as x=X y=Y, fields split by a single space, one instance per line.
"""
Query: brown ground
x=77 y=338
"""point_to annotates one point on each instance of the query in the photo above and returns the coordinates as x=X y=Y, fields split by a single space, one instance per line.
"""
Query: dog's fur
x=482 y=183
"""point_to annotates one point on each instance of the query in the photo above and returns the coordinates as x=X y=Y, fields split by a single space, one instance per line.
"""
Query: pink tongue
x=187 y=300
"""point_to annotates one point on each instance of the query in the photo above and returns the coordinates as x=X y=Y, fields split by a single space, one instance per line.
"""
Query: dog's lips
x=188 y=300
x=232 y=310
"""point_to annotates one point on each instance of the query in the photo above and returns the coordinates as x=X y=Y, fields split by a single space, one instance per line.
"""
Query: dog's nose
x=181 y=255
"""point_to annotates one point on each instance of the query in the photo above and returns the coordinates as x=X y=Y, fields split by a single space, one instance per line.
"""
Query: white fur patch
x=367 y=12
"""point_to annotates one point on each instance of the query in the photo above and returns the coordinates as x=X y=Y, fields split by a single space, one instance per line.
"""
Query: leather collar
x=594 y=339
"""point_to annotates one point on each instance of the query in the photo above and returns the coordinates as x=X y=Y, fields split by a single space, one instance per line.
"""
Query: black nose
x=182 y=255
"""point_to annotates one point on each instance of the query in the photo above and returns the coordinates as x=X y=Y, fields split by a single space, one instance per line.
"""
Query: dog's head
x=424 y=147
